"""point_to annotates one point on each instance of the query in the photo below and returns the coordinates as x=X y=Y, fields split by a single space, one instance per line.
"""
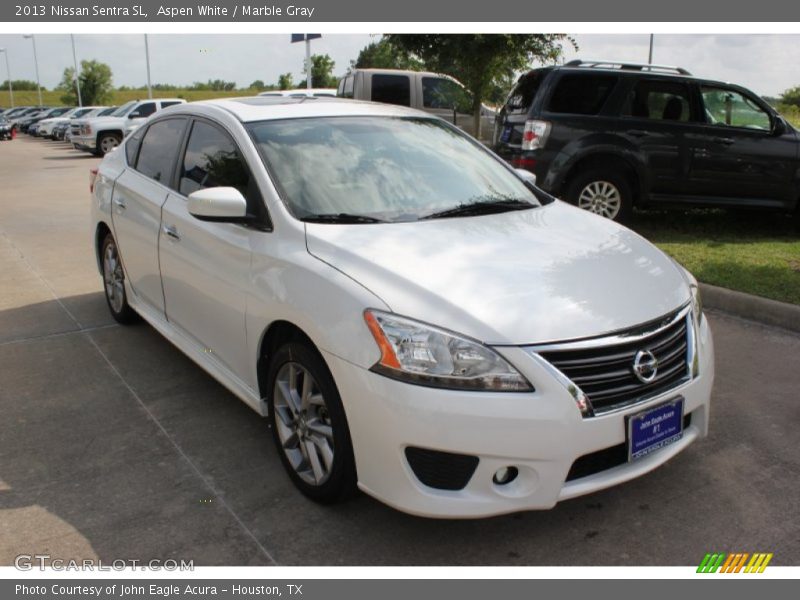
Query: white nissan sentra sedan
x=415 y=318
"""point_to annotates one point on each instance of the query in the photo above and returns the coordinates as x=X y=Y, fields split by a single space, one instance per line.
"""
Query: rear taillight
x=523 y=162
x=92 y=178
x=535 y=135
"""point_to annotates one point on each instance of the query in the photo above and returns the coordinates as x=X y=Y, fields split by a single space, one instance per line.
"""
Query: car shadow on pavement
x=116 y=445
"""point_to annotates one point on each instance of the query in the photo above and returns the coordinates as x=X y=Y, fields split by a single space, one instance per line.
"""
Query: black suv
x=610 y=136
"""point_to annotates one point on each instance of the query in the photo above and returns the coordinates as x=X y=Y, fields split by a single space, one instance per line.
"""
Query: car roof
x=263 y=108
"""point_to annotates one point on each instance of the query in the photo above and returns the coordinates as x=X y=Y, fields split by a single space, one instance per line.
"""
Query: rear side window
x=391 y=89
x=581 y=94
x=521 y=97
x=346 y=87
x=169 y=103
x=211 y=160
x=438 y=92
x=159 y=149
x=659 y=100
x=132 y=146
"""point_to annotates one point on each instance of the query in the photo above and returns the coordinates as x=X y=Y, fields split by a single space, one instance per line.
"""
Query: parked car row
x=95 y=129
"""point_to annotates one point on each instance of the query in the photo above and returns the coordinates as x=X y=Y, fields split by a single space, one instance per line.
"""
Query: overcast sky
x=768 y=64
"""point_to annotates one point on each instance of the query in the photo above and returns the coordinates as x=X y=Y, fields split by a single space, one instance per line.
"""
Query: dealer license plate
x=655 y=428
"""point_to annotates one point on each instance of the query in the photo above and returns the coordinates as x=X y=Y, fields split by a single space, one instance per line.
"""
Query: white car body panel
x=552 y=273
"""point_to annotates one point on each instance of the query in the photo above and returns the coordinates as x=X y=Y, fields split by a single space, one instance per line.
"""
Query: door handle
x=120 y=203
x=722 y=140
x=172 y=232
x=637 y=132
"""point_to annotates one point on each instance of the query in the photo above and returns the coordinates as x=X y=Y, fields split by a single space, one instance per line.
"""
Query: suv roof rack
x=627 y=66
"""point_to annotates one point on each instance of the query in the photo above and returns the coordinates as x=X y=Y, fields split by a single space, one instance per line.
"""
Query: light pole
x=650 y=56
x=36 y=66
x=8 y=70
x=147 y=60
x=77 y=75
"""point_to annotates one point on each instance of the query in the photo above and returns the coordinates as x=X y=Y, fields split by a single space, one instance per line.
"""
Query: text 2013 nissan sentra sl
x=415 y=318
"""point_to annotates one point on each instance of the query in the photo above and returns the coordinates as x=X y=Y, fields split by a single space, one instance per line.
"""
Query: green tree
x=258 y=84
x=95 y=80
x=321 y=72
x=23 y=85
x=481 y=61
x=384 y=54
x=790 y=96
x=285 y=81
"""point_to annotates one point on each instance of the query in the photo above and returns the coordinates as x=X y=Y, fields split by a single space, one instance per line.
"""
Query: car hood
x=523 y=277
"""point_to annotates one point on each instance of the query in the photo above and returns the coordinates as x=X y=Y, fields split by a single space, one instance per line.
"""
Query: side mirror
x=223 y=204
x=526 y=176
x=779 y=126
x=134 y=115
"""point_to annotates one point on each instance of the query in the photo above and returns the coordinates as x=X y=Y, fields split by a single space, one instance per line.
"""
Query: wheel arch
x=100 y=233
x=274 y=336
x=617 y=162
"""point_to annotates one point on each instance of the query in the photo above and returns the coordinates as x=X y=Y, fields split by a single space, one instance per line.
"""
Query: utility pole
x=36 y=66
x=8 y=70
x=147 y=60
x=308 y=63
x=650 y=56
x=77 y=74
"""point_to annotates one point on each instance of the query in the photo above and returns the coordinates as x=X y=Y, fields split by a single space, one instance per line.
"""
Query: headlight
x=425 y=355
x=697 y=301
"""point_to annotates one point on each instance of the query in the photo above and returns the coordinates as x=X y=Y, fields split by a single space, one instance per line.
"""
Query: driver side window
x=729 y=108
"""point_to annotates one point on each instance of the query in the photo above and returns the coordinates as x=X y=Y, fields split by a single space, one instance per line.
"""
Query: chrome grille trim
x=604 y=383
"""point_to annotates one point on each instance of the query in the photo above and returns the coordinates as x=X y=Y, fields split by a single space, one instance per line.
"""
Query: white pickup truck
x=435 y=93
x=102 y=134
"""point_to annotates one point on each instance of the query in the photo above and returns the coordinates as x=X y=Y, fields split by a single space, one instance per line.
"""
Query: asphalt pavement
x=114 y=445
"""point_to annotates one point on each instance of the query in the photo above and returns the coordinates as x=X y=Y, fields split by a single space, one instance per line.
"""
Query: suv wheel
x=107 y=142
x=602 y=192
x=309 y=425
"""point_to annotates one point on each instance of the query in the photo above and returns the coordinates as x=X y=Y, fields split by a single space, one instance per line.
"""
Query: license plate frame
x=644 y=438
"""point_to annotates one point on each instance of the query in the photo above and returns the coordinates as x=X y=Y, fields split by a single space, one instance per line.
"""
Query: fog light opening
x=505 y=475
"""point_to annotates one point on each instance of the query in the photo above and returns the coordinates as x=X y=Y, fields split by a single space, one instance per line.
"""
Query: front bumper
x=84 y=142
x=541 y=434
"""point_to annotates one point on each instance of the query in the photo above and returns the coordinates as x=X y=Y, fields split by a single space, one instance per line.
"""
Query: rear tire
x=308 y=424
x=603 y=192
x=114 y=283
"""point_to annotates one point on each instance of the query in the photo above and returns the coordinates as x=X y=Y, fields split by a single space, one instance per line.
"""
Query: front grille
x=608 y=458
x=441 y=470
x=605 y=373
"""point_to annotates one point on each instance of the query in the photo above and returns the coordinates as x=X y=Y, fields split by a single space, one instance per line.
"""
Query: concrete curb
x=755 y=308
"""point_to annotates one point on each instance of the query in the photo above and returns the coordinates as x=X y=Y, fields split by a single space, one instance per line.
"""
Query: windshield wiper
x=486 y=207
x=340 y=218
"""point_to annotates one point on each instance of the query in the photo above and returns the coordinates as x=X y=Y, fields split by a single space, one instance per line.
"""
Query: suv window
x=730 y=108
x=146 y=109
x=581 y=94
x=660 y=100
x=521 y=97
x=211 y=160
x=438 y=92
x=391 y=89
x=159 y=149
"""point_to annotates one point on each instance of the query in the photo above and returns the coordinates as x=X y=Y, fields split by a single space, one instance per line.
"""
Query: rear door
x=139 y=194
x=741 y=154
x=205 y=266
x=658 y=115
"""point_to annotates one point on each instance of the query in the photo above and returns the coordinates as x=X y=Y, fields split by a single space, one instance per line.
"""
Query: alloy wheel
x=303 y=423
x=113 y=277
x=602 y=198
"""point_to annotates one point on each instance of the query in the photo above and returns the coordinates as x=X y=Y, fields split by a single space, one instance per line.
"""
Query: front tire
x=603 y=192
x=106 y=142
x=308 y=424
x=114 y=283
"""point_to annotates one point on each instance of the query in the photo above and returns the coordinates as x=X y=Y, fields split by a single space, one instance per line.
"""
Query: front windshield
x=123 y=110
x=388 y=169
